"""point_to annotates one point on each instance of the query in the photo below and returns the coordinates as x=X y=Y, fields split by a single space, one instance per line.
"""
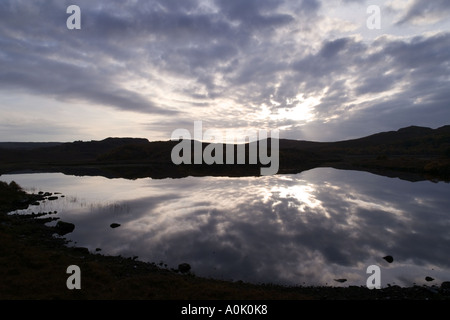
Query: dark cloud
x=43 y=57
x=254 y=13
x=332 y=48
x=310 y=6
x=411 y=72
x=378 y=83
x=334 y=57
x=249 y=53
x=424 y=9
x=181 y=39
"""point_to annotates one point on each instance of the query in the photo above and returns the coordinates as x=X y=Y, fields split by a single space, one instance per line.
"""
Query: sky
x=312 y=69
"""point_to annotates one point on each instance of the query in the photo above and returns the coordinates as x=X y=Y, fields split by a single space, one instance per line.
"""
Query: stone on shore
x=184 y=267
x=63 y=228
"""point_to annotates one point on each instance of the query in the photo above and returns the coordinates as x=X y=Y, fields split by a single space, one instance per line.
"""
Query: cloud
x=359 y=79
x=41 y=56
x=223 y=62
x=424 y=12
x=331 y=48
x=254 y=13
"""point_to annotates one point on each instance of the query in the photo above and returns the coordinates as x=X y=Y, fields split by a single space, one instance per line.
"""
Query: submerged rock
x=63 y=228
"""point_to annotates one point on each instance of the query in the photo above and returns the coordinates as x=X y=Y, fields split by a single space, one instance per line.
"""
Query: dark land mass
x=33 y=261
x=33 y=266
x=412 y=153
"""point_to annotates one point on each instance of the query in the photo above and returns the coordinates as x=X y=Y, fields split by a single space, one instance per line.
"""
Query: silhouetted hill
x=411 y=140
x=411 y=150
x=27 y=145
x=86 y=151
x=70 y=152
x=155 y=151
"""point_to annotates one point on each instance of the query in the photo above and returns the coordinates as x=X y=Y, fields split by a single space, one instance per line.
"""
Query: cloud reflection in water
x=307 y=228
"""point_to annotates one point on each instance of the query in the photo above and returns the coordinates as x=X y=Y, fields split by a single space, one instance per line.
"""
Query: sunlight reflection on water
x=308 y=228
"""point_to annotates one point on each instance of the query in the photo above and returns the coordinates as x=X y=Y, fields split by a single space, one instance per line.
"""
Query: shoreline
x=33 y=266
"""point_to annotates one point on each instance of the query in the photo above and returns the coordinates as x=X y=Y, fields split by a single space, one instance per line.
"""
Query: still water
x=301 y=229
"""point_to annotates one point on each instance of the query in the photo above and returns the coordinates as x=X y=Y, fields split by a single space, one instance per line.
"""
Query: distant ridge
x=27 y=145
x=412 y=150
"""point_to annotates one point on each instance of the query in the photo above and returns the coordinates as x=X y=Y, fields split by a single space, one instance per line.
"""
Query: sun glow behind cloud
x=309 y=68
x=298 y=109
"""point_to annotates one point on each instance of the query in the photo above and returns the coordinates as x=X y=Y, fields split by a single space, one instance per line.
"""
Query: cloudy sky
x=313 y=69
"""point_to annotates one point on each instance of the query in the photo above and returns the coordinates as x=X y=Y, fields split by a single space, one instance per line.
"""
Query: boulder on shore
x=63 y=228
x=184 y=267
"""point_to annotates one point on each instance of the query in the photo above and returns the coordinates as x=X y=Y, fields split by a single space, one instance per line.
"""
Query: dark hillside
x=27 y=145
x=411 y=140
x=413 y=150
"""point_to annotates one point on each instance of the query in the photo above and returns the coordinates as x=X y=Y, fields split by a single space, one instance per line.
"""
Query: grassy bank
x=33 y=265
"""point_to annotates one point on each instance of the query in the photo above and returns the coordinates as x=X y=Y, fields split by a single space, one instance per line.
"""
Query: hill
x=413 y=153
x=27 y=145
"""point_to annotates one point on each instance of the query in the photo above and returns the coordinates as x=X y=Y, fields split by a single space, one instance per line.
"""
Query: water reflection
x=308 y=228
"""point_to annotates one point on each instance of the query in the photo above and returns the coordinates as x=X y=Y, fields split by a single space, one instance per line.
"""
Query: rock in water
x=114 y=225
x=388 y=259
x=63 y=228
x=340 y=280
x=429 y=278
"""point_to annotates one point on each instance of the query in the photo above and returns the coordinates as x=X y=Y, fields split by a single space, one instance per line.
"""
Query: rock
x=114 y=225
x=63 y=228
x=389 y=259
x=184 y=267
x=429 y=278
x=340 y=280
x=445 y=287
x=52 y=198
